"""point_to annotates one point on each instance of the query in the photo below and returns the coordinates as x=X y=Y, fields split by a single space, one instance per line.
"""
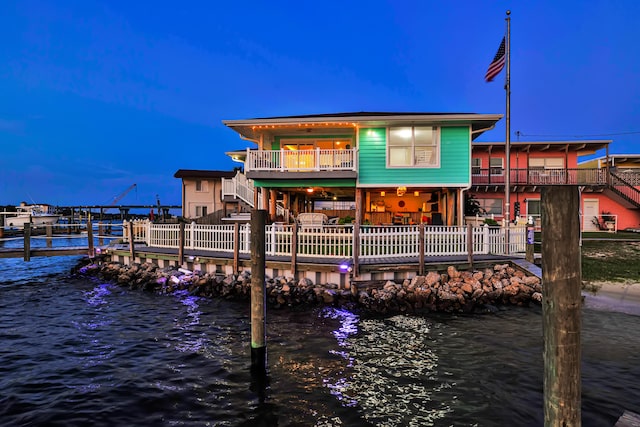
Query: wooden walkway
x=34 y=252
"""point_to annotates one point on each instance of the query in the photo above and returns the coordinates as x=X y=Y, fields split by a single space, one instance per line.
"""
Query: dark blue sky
x=96 y=96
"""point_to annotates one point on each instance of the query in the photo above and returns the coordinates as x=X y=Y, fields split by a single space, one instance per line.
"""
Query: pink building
x=609 y=185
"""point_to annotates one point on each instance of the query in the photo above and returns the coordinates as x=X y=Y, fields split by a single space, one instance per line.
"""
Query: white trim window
x=201 y=186
x=496 y=166
x=413 y=146
x=546 y=163
x=534 y=208
x=201 y=211
x=476 y=166
x=491 y=206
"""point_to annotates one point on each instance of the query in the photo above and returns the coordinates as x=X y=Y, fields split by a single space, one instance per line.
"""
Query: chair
x=436 y=218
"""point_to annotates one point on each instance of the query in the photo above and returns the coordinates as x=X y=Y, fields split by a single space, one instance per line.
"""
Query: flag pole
x=507 y=88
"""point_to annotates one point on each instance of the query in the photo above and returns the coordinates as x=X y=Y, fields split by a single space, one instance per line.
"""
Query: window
x=491 y=206
x=546 y=163
x=476 y=166
x=496 y=166
x=201 y=211
x=201 y=185
x=413 y=146
x=533 y=208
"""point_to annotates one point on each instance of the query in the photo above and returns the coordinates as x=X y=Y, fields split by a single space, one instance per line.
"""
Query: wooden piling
x=236 y=247
x=92 y=252
x=561 y=305
x=294 y=249
x=100 y=231
x=470 y=245
x=181 y=243
x=49 y=231
x=27 y=241
x=258 y=292
x=132 y=244
x=421 y=249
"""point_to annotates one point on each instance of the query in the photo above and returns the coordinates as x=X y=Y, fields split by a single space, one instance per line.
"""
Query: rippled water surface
x=77 y=351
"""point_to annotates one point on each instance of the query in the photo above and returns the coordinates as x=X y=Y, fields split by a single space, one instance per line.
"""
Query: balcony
x=536 y=177
x=263 y=163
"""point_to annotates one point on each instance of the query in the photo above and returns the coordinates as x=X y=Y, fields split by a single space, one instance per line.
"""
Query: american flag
x=497 y=64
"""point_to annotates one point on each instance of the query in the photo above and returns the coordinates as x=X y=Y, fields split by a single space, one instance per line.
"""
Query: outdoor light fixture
x=400 y=191
x=345 y=267
x=416 y=193
x=382 y=193
x=309 y=190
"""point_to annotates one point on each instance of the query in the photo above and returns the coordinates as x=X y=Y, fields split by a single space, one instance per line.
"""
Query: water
x=76 y=351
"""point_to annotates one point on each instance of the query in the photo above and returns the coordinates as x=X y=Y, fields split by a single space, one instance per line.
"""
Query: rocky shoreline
x=453 y=292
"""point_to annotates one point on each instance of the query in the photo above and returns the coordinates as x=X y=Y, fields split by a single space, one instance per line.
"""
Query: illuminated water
x=75 y=351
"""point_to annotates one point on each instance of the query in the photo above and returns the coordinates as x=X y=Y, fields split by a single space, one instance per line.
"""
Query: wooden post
x=561 y=305
x=49 y=231
x=470 y=245
x=294 y=249
x=421 y=240
x=27 y=241
x=530 y=252
x=181 y=243
x=258 y=292
x=356 y=250
x=92 y=252
x=100 y=232
x=236 y=247
x=132 y=245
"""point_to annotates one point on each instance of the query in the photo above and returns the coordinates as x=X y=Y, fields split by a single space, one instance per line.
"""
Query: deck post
x=92 y=252
x=132 y=244
x=421 y=239
x=181 y=243
x=561 y=305
x=236 y=247
x=470 y=245
x=294 y=249
x=258 y=292
x=356 y=250
x=530 y=248
x=100 y=231
x=27 y=241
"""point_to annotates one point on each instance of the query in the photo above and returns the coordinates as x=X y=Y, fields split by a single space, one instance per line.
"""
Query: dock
x=46 y=252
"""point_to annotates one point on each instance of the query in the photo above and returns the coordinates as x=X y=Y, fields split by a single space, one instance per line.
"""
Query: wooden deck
x=379 y=265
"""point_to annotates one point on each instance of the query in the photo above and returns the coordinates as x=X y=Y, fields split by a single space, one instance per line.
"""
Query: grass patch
x=610 y=260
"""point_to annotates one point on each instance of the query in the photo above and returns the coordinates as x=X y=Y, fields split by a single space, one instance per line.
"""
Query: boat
x=36 y=215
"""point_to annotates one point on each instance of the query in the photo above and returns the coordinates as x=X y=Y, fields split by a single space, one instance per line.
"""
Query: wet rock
x=453 y=291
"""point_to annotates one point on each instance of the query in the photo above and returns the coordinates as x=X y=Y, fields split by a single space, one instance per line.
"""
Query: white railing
x=301 y=160
x=336 y=241
x=239 y=187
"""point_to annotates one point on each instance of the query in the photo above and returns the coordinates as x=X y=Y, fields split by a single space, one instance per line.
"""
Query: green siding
x=454 y=160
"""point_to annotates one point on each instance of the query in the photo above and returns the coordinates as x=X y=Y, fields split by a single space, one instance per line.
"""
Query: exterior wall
x=520 y=160
x=454 y=161
x=209 y=197
x=626 y=218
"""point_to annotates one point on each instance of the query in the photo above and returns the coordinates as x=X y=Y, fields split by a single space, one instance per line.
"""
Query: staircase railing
x=624 y=189
x=239 y=187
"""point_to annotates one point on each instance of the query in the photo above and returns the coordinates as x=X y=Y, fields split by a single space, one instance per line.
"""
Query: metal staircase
x=623 y=191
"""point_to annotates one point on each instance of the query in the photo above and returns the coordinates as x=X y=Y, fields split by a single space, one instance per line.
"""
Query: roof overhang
x=582 y=147
x=252 y=129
